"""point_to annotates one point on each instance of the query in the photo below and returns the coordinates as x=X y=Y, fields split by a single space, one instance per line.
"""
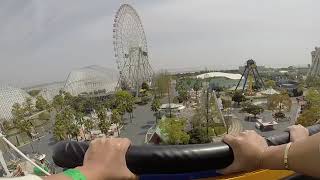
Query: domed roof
x=8 y=96
x=91 y=79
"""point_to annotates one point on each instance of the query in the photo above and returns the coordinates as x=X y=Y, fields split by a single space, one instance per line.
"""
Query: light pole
x=207 y=103
x=208 y=112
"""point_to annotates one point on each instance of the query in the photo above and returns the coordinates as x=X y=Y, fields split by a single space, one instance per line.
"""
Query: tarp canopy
x=270 y=91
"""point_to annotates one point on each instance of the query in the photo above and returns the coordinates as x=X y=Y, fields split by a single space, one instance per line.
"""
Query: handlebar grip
x=165 y=159
x=284 y=137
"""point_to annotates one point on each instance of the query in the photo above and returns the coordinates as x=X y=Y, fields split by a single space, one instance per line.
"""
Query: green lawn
x=220 y=130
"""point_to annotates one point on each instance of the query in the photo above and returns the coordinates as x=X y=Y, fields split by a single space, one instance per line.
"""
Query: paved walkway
x=143 y=119
x=235 y=127
x=267 y=116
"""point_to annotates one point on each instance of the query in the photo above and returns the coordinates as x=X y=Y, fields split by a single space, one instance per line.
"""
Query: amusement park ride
x=171 y=161
x=249 y=72
x=131 y=51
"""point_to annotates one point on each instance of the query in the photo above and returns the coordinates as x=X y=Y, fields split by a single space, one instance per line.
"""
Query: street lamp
x=206 y=86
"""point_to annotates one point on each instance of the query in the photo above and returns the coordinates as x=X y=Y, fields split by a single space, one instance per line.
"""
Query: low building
x=219 y=74
x=292 y=87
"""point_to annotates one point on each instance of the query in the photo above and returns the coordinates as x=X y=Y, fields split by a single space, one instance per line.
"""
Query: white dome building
x=91 y=79
x=8 y=97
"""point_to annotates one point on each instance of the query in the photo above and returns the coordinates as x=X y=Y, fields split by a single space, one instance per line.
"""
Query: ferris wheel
x=130 y=47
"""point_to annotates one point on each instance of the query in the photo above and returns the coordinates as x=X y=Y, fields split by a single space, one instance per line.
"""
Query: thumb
x=229 y=139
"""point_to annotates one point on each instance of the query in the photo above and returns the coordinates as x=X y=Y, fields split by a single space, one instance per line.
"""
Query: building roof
x=8 y=97
x=90 y=79
x=172 y=106
x=219 y=74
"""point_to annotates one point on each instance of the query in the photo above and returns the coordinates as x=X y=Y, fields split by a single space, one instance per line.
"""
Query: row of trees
x=310 y=114
x=279 y=103
x=252 y=109
x=22 y=114
x=71 y=111
x=174 y=130
x=161 y=84
x=183 y=87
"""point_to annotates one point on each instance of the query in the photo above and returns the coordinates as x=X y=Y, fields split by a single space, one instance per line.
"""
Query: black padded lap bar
x=152 y=159
x=159 y=159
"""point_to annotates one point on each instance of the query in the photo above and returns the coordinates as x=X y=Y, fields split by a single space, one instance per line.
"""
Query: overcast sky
x=42 y=40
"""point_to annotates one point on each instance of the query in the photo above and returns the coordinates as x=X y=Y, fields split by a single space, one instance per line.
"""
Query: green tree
x=270 y=83
x=162 y=83
x=28 y=106
x=188 y=81
x=124 y=102
x=309 y=117
x=183 y=95
x=25 y=126
x=197 y=87
x=44 y=116
x=89 y=125
x=313 y=82
x=41 y=103
x=18 y=112
x=313 y=97
x=59 y=130
x=238 y=97
x=6 y=126
x=198 y=135
x=21 y=122
x=79 y=117
x=311 y=114
x=252 y=109
x=174 y=130
x=144 y=100
x=145 y=86
x=68 y=98
x=226 y=103
x=34 y=93
x=129 y=110
x=58 y=102
x=74 y=130
x=279 y=102
x=103 y=124
x=120 y=101
x=116 y=119
x=155 y=107
x=65 y=125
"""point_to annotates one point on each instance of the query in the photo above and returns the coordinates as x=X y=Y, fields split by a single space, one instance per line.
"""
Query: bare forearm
x=59 y=176
x=303 y=157
x=273 y=158
x=88 y=172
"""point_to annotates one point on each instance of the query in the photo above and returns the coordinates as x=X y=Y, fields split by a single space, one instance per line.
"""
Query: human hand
x=298 y=132
x=106 y=158
x=248 y=148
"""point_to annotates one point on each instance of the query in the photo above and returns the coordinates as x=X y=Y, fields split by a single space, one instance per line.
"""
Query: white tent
x=270 y=91
x=219 y=74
